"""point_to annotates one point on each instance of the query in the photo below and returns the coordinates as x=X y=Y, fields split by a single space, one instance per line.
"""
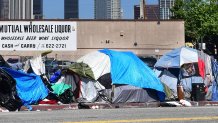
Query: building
x=115 y=9
x=21 y=9
x=107 y=9
x=18 y=9
x=152 y=12
x=142 y=9
x=71 y=9
x=165 y=6
x=38 y=9
x=4 y=9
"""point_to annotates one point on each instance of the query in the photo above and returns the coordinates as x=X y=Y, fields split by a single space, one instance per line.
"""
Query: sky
x=55 y=10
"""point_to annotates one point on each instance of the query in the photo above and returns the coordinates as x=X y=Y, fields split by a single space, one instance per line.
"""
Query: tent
x=118 y=68
x=98 y=62
x=185 y=65
x=177 y=57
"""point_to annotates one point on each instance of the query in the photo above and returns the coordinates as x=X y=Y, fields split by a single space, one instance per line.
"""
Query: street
x=124 y=115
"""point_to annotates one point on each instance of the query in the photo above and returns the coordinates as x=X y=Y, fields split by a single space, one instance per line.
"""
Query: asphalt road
x=126 y=115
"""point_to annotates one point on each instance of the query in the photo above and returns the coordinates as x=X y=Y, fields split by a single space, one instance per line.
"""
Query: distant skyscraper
x=4 y=9
x=107 y=9
x=20 y=9
x=38 y=9
x=71 y=9
x=165 y=6
x=142 y=9
x=152 y=12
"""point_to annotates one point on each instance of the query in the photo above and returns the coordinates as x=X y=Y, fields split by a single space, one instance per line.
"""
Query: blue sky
x=55 y=9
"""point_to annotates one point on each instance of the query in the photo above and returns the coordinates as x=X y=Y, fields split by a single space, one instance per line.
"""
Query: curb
x=73 y=106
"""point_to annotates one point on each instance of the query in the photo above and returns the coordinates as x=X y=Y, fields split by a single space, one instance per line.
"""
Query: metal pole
x=215 y=51
x=201 y=43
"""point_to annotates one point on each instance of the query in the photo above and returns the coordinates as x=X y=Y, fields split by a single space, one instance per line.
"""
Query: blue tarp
x=127 y=68
x=187 y=82
x=215 y=82
x=30 y=87
x=54 y=78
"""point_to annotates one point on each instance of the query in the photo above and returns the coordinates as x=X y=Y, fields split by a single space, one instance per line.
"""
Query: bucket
x=180 y=92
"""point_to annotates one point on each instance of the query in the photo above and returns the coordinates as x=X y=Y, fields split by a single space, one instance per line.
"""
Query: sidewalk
x=73 y=106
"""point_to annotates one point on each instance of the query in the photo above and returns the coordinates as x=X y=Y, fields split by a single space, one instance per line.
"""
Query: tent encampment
x=119 y=68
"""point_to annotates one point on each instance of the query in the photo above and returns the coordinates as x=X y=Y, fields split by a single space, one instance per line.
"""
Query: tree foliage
x=200 y=16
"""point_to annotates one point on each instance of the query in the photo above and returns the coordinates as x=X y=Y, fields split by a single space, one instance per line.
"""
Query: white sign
x=38 y=35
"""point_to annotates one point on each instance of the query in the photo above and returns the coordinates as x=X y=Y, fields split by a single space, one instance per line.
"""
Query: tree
x=200 y=16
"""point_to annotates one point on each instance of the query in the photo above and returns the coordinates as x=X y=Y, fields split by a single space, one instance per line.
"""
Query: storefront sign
x=38 y=35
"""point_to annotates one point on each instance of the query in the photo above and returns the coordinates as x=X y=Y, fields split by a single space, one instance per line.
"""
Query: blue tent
x=127 y=68
x=30 y=87
x=177 y=57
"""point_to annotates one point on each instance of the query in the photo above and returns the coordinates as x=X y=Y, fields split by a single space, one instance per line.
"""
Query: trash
x=83 y=106
x=3 y=110
x=185 y=103
x=174 y=103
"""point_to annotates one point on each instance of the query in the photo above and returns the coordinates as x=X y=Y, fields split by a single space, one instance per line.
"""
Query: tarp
x=82 y=69
x=16 y=66
x=60 y=88
x=37 y=65
x=177 y=57
x=128 y=93
x=88 y=90
x=54 y=78
x=187 y=82
x=170 y=80
x=127 y=68
x=208 y=62
x=215 y=82
x=30 y=87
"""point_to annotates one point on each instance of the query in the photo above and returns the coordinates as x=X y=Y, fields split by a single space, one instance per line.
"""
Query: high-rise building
x=165 y=6
x=115 y=9
x=71 y=9
x=107 y=9
x=4 y=9
x=38 y=9
x=142 y=9
x=20 y=9
x=152 y=12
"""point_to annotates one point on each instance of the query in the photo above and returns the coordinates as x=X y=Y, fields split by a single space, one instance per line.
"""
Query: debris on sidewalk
x=185 y=103
x=3 y=110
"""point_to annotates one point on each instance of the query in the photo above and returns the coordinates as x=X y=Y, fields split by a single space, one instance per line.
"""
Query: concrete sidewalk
x=73 y=106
